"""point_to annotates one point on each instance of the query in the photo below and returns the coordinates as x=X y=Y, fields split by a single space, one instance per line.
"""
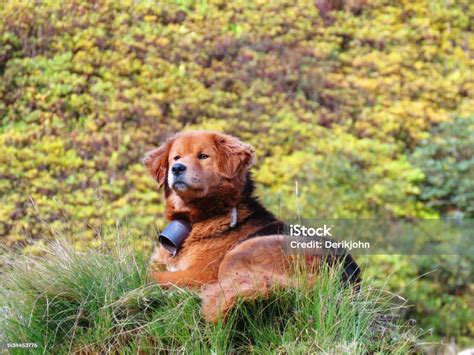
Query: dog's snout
x=178 y=169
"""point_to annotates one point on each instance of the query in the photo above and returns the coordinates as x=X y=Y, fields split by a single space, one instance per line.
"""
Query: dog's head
x=193 y=164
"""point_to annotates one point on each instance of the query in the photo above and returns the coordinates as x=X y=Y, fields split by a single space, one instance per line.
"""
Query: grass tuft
x=100 y=301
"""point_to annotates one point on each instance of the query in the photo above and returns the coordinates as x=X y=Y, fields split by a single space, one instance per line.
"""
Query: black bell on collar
x=173 y=236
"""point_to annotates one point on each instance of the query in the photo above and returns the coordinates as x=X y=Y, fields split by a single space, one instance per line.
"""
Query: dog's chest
x=198 y=245
x=176 y=265
x=162 y=257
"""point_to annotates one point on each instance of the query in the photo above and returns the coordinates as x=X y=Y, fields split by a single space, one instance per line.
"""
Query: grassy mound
x=100 y=301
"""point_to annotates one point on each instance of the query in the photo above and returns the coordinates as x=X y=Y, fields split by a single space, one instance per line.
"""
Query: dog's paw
x=211 y=303
x=210 y=312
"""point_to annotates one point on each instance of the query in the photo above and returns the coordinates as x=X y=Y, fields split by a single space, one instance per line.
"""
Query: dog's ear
x=234 y=158
x=156 y=161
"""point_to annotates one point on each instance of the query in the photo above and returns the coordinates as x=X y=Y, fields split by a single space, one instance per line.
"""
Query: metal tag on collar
x=173 y=236
x=233 y=217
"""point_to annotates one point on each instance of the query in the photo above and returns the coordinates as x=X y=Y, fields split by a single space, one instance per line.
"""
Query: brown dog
x=234 y=248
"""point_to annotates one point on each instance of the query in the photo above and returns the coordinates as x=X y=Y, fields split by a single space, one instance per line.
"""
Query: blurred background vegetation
x=367 y=104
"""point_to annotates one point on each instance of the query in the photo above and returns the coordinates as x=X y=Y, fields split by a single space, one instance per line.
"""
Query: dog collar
x=175 y=233
x=173 y=236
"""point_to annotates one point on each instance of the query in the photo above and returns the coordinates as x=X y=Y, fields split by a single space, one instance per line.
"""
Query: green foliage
x=100 y=302
x=447 y=160
x=96 y=85
x=346 y=178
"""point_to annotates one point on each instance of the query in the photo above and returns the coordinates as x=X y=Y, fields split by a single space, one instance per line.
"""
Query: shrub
x=447 y=161
x=87 y=88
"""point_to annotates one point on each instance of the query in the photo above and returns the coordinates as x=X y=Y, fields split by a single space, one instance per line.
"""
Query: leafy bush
x=447 y=160
x=87 y=88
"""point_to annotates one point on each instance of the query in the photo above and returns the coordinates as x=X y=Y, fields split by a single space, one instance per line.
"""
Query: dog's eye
x=203 y=156
x=177 y=157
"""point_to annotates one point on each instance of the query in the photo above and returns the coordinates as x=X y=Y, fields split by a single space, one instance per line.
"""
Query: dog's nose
x=178 y=169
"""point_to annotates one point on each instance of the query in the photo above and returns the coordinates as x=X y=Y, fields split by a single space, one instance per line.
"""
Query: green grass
x=100 y=301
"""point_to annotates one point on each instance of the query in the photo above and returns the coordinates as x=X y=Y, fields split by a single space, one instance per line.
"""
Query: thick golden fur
x=224 y=262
